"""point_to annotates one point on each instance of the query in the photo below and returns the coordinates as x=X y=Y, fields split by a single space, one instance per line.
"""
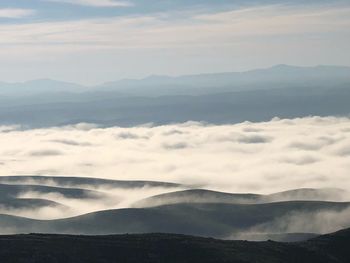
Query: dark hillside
x=169 y=248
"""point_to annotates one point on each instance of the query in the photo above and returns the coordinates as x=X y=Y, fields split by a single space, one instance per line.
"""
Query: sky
x=95 y=41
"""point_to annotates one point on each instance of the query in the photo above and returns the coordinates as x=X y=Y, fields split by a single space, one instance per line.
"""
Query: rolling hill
x=9 y=204
x=197 y=212
x=13 y=191
x=214 y=220
x=198 y=196
x=82 y=182
x=208 y=196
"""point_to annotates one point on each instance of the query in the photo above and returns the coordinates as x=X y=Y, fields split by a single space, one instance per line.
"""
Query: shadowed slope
x=216 y=220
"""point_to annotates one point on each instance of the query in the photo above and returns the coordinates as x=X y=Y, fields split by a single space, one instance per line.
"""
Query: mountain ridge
x=44 y=85
x=209 y=196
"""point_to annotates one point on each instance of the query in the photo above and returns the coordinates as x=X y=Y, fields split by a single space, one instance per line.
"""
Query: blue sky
x=92 y=41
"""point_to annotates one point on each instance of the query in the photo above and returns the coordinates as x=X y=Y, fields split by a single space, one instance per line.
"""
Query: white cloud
x=15 y=12
x=248 y=157
x=96 y=3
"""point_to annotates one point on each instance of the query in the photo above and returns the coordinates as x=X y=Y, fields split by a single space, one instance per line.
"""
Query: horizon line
x=171 y=76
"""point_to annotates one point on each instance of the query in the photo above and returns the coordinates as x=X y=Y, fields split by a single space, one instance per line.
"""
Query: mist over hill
x=98 y=206
x=174 y=131
x=264 y=158
x=101 y=207
x=207 y=196
x=282 y=180
x=88 y=182
x=210 y=220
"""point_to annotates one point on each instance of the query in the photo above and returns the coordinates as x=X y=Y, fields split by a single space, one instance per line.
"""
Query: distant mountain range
x=279 y=76
x=258 y=95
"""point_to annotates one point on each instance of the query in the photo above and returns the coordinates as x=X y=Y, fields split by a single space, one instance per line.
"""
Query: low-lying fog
x=248 y=157
x=261 y=158
x=113 y=198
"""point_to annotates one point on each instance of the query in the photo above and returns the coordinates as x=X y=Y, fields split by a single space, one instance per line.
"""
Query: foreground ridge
x=169 y=248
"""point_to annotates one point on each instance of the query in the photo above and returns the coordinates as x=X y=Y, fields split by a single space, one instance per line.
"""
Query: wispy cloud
x=96 y=3
x=161 y=31
x=15 y=12
x=201 y=41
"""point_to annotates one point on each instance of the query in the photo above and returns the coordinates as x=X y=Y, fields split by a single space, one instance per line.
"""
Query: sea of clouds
x=260 y=157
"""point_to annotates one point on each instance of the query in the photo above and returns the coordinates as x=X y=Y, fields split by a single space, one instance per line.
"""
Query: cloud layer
x=15 y=12
x=194 y=39
x=95 y=3
x=248 y=157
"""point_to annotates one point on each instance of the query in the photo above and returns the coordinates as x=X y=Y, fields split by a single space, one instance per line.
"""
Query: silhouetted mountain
x=169 y=248
x=280 y=76
x=259 y=95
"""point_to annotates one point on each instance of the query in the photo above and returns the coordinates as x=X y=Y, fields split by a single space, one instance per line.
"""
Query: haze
x=94 y=41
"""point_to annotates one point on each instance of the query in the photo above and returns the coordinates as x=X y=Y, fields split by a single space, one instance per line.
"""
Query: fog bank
x=261 y=157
